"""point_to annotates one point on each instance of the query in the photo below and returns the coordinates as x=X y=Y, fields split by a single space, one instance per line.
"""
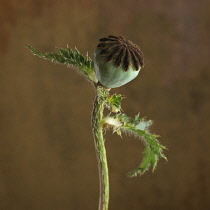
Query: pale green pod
x=123 y=66
x=109 y=75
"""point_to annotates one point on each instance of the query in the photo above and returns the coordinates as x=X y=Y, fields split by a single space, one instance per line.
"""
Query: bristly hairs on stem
x=116 y=119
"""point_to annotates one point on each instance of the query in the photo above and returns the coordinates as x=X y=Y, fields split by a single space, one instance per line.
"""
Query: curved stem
x=97 y=116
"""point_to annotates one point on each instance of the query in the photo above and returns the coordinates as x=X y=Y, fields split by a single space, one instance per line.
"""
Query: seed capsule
x=117 y=61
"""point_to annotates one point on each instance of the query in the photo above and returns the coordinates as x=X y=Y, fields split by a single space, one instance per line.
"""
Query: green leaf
x=139 y=128
x=70 y=58
x=153 y=149
x=114 y=102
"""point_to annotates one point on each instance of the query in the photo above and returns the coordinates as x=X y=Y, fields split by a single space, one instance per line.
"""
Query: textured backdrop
x=47 y=157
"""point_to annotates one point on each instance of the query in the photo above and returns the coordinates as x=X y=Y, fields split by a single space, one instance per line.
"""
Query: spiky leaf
x=139 y=128
x=114 y=102
x=70 y=58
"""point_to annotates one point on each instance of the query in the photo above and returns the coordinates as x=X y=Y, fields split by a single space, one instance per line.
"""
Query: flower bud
x=117 y=61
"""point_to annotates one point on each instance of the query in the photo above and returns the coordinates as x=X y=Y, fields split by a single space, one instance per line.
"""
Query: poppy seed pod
x=117 y=61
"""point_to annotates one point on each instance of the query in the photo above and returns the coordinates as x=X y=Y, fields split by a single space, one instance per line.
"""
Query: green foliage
x=114 y=102
x=139 y=128
x=70 y=58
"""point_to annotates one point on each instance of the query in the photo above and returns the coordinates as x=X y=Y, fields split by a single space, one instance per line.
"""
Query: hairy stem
x=97 y=116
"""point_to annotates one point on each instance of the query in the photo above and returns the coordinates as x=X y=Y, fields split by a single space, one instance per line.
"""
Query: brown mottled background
x=47 y=157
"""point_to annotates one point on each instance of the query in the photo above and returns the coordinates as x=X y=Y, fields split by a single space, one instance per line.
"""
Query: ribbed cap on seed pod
x=117 y=61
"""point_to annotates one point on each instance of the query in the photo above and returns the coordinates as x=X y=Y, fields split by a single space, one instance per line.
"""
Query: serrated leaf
x=68 y=57
x=63 y=52
x=144 y=125
x=139 y=128
x=114 y=102
x=153 y=150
